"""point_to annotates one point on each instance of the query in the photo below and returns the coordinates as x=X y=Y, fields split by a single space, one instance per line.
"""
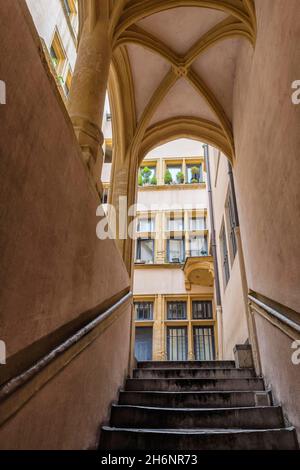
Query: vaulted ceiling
x=174 y=67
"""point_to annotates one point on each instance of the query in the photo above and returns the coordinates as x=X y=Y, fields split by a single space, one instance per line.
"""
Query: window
x=174 y=170
x=202 y=310
x=147 y=175
x=145 y=250
x=175 y=251
x=68 y=82
x=70 y=7
x=177 y=343
x=194 y=173
x=146 y=225
x=198 y=246
x=176 y=310
x=57 y=53
x=105 y=196
x=143 y=343
x=108 y=154
x=143 y=310
x=175 y=224
x=204 y=343
x=197 y=223
x=224 y=253
x=231 y=222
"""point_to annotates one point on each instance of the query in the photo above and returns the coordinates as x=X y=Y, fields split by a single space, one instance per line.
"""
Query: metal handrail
x=16 y=382
x=274 y=313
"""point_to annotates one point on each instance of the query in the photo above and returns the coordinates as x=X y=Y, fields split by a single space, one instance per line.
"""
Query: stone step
x=185 y=364
x=268 y=417
x=194 y=439
x=188 y=399
x=174 y=385
x=216 y=373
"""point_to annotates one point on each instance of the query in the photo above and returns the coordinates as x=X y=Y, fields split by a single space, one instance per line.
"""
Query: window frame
x=139 y=241
x=224 y=255
x=182 y=241
x=176 y=303
x=143 y=303
x=207 y=312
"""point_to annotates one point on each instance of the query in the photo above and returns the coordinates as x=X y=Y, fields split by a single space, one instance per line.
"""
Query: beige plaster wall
x=279 y=371
x=267 y=167
x=233 y=307
x=68 y=412
x=53 y=267
x=267 y=172
x=163 y=281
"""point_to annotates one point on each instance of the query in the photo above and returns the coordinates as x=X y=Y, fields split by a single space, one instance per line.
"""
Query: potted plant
x=153 y=180
x=180 y=177
x=195 y=174
x=168 y=177
x=140 y=179
x=146 y=174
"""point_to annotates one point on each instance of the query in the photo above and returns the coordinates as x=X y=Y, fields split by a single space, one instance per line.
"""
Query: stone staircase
x=195 y=406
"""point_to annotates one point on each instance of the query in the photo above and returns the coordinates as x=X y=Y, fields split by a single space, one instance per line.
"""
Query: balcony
x=198 y=270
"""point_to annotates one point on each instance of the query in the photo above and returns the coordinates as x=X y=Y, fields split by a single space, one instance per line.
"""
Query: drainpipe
x=214 y=253
x=249 y=317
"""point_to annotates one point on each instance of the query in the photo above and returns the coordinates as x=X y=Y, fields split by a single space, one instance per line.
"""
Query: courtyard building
x=149 y=165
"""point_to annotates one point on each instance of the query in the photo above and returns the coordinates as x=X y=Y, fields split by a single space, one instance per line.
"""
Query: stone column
x=158 y=330
x=88 y=89
x=190 y=331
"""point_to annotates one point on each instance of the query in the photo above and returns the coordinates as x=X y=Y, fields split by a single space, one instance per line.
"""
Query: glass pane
x=177 y=344
x=202 y=310
x=204 y=343
x=145 y=250
x=175 y=225
x=174 y=169
x=145 y=225
x=198 y=246
x=197 y=223
x=144 y=310
x=176 y=250
x=176 y=310
x=194 y=173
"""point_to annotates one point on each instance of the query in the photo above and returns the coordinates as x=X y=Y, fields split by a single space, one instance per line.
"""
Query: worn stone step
x=194 y=384
x=195 y=439
x=188 y=399
x=216 y=373
x=185 y=364
x=126 y=416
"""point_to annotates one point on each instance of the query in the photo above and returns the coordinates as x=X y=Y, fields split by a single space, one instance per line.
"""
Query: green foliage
x=180 y=177
x=140 y=179
x=195 y=170
x=168 y=177
x=146 y=174
x=153 y=180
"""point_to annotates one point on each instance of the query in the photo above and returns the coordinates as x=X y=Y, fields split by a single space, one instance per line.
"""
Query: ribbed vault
x=173 y=66
x=181 y=58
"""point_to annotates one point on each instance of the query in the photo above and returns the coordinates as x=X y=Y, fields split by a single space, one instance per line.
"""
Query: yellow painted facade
x=171 y=276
